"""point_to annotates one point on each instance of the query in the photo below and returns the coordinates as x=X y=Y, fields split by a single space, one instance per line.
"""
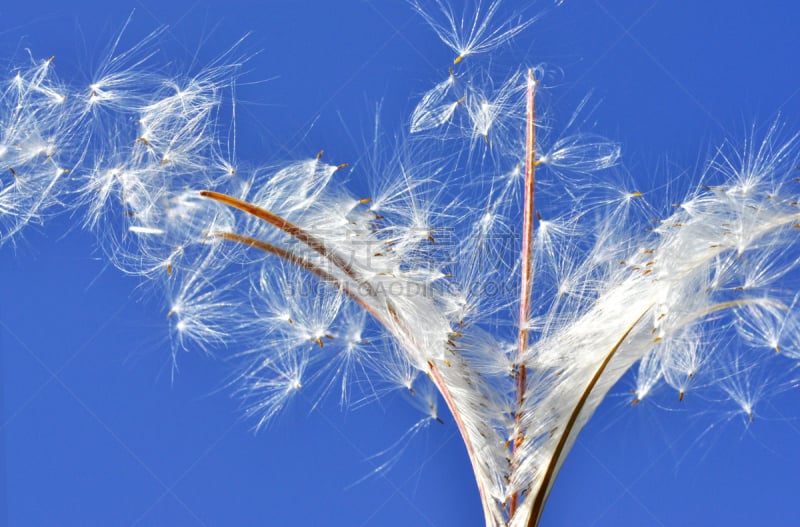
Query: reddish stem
x=438 y=380
x=526 y=272
x=293 y=230
x=317 y=245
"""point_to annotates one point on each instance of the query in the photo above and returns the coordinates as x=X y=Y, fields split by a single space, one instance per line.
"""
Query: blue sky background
x=93 y=432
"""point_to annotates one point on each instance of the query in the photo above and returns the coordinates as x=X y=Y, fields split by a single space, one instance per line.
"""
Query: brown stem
x=293 y=230
x=398 y=327
x=438 y=380
x=544 y=490
x=526 y=272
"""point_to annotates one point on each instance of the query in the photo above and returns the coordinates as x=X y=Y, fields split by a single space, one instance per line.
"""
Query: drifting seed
x=796 y=225
x=636 y=194
x=318 y=340
x=662 y=315
x=635 y=401
x=319 y=154
x=439 y=420
x=647 y=272
x=447 y=363
x=143 y=140
x=750 y=414
x=538 y=215
x=647 y=251
x=169 y=269
x=462 y=99
x=365 y=200
x=13 y=172
x=657 y=339
x=680 y=396
x=458 y=59
x=51 y=59
x=651 y=262
x=777 y=348
x=342 y=165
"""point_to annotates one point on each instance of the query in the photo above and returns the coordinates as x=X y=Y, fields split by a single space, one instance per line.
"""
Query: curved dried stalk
x=317 y=245
x=546 y=484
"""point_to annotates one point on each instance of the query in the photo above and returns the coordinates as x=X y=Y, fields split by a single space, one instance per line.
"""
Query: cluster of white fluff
x=418 y=284
x=32 y=133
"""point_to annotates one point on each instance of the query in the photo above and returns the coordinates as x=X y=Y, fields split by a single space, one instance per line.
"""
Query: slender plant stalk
x=546 y=484
x=550 y=473
x=527 y=256
x=293 y=230
x=313 y=243
x=436 y=376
